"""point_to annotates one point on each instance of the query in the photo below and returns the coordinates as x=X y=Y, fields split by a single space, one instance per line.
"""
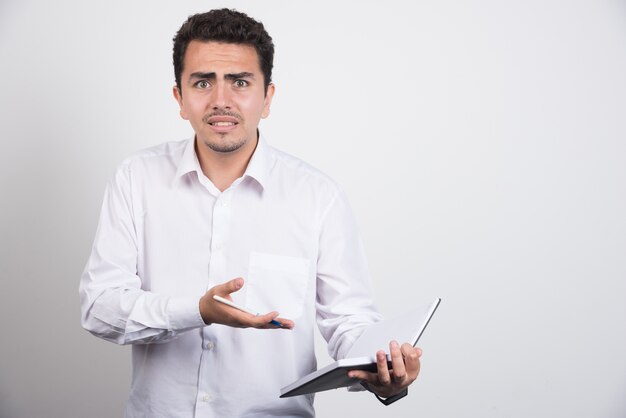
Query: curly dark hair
x=229 y=26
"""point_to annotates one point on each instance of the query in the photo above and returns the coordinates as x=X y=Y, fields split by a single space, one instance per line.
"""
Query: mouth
x=219 y=124
x=222 y=123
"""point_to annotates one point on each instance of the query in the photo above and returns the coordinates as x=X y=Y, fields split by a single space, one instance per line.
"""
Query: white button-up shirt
x=167 y=234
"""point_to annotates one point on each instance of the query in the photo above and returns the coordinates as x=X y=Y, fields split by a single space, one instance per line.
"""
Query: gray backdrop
x=481 y=143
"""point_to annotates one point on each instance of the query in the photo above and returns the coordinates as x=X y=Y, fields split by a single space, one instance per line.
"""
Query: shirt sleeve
x=345 y=301
x=113 y=304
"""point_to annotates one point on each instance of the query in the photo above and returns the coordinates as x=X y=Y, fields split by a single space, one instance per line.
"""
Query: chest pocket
x=277 y=283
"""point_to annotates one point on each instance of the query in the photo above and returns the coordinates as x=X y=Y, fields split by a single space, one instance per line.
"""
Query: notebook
x=407 y=327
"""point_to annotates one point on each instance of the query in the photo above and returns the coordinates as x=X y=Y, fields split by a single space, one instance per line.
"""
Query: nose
x=220 y=96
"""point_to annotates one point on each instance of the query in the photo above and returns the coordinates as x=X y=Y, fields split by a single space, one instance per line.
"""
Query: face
x=223 y=95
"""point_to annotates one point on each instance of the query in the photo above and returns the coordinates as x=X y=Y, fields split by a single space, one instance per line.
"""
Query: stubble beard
x=223 y=143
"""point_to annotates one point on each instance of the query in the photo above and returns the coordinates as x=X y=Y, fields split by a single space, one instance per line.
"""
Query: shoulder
x=153 y=165
x=165 y=153
x=301 y=173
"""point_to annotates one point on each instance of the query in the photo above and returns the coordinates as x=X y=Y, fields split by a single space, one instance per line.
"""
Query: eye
x=241 y=83
x=203 y=84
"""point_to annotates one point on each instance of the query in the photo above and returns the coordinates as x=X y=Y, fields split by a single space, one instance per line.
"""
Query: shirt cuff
x=389 y=400
x=393 y=398
x=184 y=314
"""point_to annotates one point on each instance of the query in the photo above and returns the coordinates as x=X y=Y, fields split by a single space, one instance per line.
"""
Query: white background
x=481 y=143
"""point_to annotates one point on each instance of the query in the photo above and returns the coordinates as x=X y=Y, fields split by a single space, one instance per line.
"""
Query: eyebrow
x=212 y=76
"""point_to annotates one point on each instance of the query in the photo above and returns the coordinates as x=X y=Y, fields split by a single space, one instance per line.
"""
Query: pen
x=242 y=309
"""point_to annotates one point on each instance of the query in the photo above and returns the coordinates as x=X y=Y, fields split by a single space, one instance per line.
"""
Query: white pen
x=242 y=309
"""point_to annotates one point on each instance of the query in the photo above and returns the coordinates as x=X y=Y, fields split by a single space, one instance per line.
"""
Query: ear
x=179 y=98
x=268 y=100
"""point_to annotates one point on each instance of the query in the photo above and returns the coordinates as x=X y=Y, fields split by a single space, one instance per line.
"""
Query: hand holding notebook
x=407 y=327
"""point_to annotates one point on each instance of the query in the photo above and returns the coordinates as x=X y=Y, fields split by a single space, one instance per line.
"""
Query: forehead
x=217 y=56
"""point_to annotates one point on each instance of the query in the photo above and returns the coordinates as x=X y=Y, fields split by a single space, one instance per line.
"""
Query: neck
x=224 y=168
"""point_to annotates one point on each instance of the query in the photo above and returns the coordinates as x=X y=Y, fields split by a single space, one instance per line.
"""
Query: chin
x=225 y=147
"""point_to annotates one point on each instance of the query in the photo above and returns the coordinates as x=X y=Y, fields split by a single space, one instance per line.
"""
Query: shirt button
x=218 y=247
x=206 y=398
x=224 y=204
x=210 y=345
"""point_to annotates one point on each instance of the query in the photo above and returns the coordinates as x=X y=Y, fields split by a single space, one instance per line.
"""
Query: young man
x=224 y=211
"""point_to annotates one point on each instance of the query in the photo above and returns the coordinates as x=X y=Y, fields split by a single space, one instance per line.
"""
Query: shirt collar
x=260 y=163
x=258 y=166
x=188 y=162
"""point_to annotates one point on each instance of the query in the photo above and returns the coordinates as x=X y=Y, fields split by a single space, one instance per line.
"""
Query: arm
x=345 y=301
x=345 y=304
x=113 y=304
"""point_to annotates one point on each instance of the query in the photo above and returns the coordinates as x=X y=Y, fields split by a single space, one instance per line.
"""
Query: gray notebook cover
x=404 y=328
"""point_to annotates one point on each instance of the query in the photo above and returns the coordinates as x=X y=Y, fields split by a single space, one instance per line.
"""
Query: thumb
x=229 y=287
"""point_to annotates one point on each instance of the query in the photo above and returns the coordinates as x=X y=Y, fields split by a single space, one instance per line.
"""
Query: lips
x=222 y=123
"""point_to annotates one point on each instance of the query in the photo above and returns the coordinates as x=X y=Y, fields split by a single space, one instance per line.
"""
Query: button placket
x=217 y=266
x=219 y=228
x=221 y=217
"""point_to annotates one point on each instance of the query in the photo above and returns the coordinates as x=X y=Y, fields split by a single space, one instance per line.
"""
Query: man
x=226 y=212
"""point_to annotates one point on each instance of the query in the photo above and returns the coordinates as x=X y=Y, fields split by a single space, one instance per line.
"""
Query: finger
x=371 y=378
x=397 y=363
x=271 y=320
x=411 y=360
x=229 y=287
x=383 y=371
x=263 y=321
x=286 y=323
